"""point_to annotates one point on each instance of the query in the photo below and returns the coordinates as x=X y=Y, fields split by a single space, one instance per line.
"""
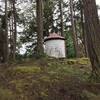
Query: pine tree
x=39 y=11
x=93 y=34
x=6 y=55
x=74 y=36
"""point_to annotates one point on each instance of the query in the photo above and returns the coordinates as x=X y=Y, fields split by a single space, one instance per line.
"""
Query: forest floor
x=48 y=79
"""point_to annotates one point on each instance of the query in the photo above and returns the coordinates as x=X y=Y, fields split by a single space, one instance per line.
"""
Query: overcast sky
x=98 y=2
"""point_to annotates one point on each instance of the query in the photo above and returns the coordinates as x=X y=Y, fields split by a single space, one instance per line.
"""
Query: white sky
x=98 y=2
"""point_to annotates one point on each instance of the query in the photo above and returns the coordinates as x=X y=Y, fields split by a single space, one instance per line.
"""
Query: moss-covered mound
x=48 y=79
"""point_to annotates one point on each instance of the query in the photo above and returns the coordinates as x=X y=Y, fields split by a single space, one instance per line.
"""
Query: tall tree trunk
x=93 y=34
x=61 y=16
x=40 y=49
x=83 y=29
x=74 y=36
x=15 y=31
x=6 y=55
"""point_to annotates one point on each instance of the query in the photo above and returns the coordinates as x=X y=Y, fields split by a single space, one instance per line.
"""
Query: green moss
x=31 y=82
x=91 y=96
x=6 y=94
x=29 y=69
x=44 y=94
x=72 y=61
x=80 y=61
x=83 y=61
x=45 y=79
x=17 y=83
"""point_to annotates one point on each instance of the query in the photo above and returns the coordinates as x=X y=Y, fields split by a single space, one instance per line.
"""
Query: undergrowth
x=48 y=79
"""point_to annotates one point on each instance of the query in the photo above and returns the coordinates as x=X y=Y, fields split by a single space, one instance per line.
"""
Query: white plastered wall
x=55 y=48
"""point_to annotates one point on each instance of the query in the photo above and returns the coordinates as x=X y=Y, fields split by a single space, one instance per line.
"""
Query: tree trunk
x=74 y=36
x=93 y=34
x=61 y=17
x=83 y=29
x=40 y=49
x=15 y=31
x=6 y=55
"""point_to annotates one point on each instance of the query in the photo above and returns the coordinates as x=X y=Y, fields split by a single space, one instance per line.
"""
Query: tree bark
x=40 y=49
x=74 y=36
x=6 y=55
x=61 y=17
x=93 y=34
x=15 y=31
x=12 y=30
x=83 y=29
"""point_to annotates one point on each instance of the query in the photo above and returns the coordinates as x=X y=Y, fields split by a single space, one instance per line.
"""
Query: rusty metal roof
x=54 y=36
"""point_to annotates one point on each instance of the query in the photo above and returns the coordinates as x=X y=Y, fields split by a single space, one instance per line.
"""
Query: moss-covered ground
x=48 y=79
